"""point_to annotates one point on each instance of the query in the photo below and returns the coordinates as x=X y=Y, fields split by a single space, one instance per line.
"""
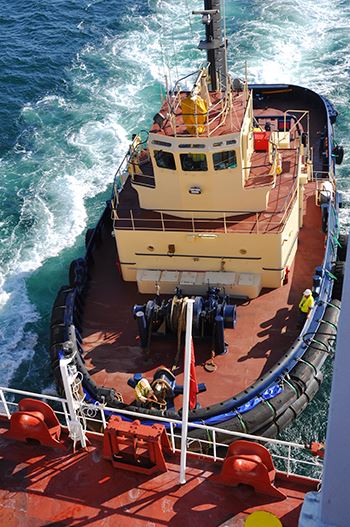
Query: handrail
x=190 y=224
x=303 y=112
x=173 y=100
x=120 y=177
x=96 y=413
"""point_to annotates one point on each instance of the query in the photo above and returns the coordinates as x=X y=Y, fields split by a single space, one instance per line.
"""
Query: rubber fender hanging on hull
x=338 y=271
x=342 y=247
x=338 y=154
x=78 y=273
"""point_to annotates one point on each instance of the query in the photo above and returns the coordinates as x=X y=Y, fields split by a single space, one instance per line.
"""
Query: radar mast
x=215 y=44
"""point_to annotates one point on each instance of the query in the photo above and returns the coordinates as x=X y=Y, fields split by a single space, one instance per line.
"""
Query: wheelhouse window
x=164 y=159
x=224 y=160
x=194 y=162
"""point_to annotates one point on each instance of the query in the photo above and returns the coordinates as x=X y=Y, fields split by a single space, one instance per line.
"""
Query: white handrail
x=89 y=411
x=186 y=394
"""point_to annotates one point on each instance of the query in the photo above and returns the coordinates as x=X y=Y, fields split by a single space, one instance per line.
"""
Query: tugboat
x=229 y=203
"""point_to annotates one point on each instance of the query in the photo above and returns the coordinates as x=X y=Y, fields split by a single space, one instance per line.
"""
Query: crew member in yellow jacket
x=144 y=393
x=305 y=305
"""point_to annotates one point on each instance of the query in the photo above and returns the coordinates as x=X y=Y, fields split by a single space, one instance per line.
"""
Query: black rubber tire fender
x=88 y=237
x=77 y=273
x=338 y=272
x=342 y=248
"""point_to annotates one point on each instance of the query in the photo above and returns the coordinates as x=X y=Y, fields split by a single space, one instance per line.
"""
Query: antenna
x=215 y=44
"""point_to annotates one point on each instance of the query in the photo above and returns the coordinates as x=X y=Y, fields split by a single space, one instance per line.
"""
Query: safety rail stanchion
x=103 y=418
x=186 y=394
x=65 y=411
x=4 y=402
x=289 y=459
x=172 y=438
x=211 y=432
x=132 y=219
x=214 y=445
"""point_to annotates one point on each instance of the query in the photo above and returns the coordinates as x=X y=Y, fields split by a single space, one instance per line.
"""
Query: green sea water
x=77 y=80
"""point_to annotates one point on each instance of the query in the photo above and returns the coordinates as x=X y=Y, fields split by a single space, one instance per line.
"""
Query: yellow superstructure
x=211 y=209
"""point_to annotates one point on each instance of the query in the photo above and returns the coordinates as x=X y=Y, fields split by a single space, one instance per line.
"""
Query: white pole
x=69 y=373
x=186 y=394
x=74 y=425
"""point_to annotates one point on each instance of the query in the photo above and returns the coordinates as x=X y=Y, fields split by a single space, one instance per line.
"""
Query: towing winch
x=211 y=314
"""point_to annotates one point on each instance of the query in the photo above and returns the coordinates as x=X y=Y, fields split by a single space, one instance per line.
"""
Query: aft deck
x=266 y=326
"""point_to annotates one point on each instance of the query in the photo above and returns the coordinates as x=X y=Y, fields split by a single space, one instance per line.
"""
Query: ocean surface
x=77 y=79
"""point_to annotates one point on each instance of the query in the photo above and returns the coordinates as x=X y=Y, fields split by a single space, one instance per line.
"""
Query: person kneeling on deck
x=305 y=306
x=145 y=396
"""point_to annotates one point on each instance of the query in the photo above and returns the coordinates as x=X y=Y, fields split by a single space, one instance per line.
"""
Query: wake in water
x=301 y=42
x=68 y=153
x=72 y=143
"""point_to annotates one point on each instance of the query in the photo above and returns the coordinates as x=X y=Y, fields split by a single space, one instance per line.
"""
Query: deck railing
x=215 y=117
x=171 y=220
x=320 y=177
x=120 y=178
x=293 y=458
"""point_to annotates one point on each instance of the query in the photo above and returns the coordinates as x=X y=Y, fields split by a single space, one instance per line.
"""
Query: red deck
x=54 y=487
x=266 y=326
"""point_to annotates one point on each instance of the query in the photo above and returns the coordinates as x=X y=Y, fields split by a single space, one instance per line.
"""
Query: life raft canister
x=194 y=114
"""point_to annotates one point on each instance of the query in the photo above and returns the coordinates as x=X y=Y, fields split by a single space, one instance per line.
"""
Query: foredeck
x=41 y=486
x=266 y=326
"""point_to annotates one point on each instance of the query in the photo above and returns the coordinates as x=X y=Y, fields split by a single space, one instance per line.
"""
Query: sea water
x=77 y=79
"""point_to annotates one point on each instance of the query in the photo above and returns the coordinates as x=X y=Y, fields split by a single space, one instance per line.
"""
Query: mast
x=215 y=43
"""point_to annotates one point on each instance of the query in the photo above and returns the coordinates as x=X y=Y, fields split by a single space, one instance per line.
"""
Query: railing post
x=3 y=400
x=103 y=417
x=116 y=193
x=214 y=444
x=162 y=220
x=65 y=411
x=186 y=394
x=132 y=220
x=172 y=437
x=193 y=224
x=288 y=460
